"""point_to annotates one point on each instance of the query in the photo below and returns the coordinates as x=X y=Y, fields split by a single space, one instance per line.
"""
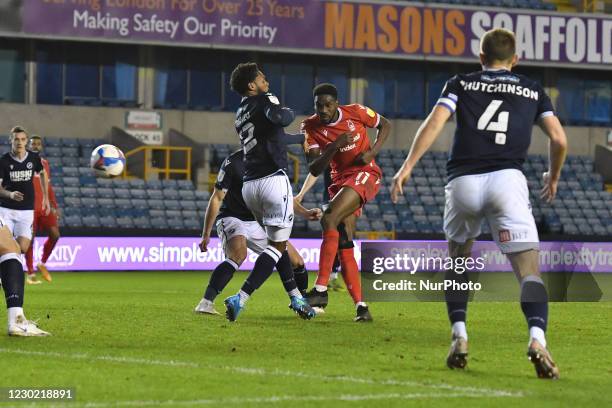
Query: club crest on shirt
x=29 y=165
x=350 y=125
x=11 y=167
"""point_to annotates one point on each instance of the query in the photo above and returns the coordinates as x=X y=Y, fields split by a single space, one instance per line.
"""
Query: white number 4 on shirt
x=500 y=126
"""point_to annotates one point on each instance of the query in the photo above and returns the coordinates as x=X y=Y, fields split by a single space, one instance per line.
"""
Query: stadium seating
x=582 y=206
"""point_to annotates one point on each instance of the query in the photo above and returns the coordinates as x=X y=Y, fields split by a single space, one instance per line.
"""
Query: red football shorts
x=43 y=222
x=366 y=184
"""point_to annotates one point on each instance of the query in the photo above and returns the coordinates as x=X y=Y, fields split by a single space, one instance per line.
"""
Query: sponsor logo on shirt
x=20 y=175
x=349 y=147
x=350 y=125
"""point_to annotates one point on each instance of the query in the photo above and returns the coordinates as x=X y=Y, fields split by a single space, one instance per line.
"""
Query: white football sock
x=320 y=288
x=333 y=276
x=13 y=312
x=295 y=292
x=459 y=330
x=243 y=297
x=536 y=333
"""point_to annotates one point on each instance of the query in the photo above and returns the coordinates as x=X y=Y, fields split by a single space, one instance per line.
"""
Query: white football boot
x=206 y=307
x=25 y=328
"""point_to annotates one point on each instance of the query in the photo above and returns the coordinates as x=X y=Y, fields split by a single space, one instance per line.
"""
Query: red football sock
x=350 y=273
x=47 y=249
x=329 y=248
x=29 y=256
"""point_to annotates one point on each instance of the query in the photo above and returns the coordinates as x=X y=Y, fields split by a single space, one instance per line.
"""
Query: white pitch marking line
x=264 y=400
x=274 y=372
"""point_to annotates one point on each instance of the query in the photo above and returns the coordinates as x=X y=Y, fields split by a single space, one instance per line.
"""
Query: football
x=107 y=161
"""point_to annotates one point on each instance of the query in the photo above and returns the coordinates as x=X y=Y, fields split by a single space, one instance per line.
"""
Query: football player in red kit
x=42 y=222
x=337 y=136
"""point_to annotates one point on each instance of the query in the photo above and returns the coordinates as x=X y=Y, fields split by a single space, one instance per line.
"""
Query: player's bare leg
x=346 y=202
x=24 y=244
x=456 y=305
x=11 y=273
x=534 y=303
x=235 y=254
x=54 y=236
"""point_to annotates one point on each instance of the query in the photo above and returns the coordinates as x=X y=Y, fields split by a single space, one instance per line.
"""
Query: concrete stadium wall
x=218 y=127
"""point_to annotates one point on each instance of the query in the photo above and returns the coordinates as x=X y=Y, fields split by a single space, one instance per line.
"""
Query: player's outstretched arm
x=321 y=161
x=557 y=151
x=313 y=214
x=382 y=134
x=212 y=210
x=425 y=136
x=308 y=183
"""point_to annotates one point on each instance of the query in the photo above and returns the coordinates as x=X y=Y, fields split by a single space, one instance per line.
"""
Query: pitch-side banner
x=394 y=29
x=124 y=253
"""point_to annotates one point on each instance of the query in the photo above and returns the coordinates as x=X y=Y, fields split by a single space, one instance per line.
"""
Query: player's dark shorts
x=366 y=184
x=44 y=222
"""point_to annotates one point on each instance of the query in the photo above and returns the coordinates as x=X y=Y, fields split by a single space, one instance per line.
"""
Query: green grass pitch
x=132 y=339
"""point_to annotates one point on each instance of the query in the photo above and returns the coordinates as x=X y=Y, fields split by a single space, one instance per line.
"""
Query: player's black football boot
x=316 y=298
x=363 y=314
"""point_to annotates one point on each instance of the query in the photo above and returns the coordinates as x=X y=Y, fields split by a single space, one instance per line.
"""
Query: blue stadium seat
x=106 y=202
x=202 y=195
x=156 y=213
x=140 y=203
x=170 y=193
x=192 y=224
x=69 y=142
x=125 y=222
x=91 y=221
x=88 y=181
x=104 y=182
x=173 y=204
x=142 y=222
x=71 y=181
x=173 y=214
x=89 y=192
x=170 y=183
x=89 y=202
x=123 y=203
x=71 y=191
x=190 y=214
x=69 y=171
x=122 y=193
x=154 y=184
x=155 y=194
x=188 y=205
x=103 y=192
x=137 y=183
x=72 y=201
x=185 y=185
x=175 y=223
x=157 y=203
x=187 y=195
x=72 y=221
x=138 y=193
x=108 y=221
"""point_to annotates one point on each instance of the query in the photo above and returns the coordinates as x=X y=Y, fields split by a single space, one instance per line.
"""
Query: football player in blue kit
x=260 y=122
x=495 y=111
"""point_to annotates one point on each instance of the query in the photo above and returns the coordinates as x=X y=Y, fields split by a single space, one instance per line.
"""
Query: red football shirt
x=38 y=191
x=352 y=119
